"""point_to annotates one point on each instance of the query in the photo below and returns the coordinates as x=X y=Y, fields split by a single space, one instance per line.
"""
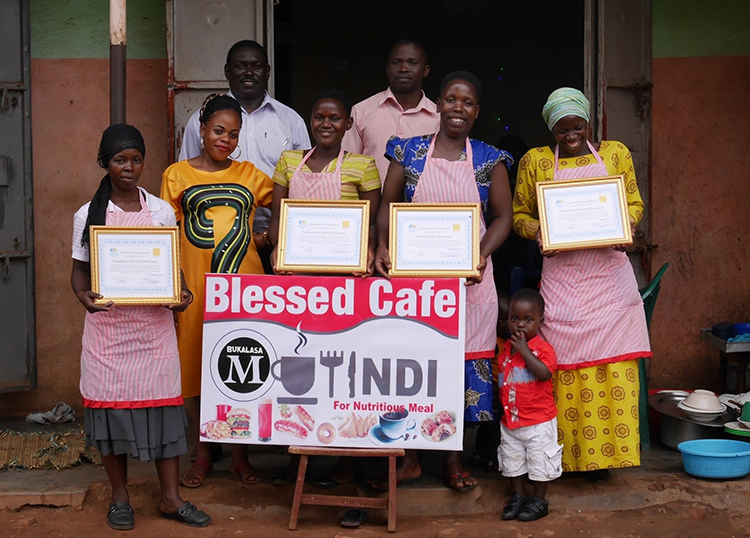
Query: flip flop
x=354 y=518
x=245 y=472
x=201 y=463
x=459 y=477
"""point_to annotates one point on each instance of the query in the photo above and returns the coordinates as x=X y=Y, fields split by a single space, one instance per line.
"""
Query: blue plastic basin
x=715 y=458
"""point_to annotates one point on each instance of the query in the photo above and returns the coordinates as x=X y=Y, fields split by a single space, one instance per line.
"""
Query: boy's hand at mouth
x=518 y=339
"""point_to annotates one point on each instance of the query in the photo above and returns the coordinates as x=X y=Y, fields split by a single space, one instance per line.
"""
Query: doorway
x=521 y=51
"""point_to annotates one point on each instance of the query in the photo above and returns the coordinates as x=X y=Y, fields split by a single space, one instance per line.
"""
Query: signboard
x=333 y=361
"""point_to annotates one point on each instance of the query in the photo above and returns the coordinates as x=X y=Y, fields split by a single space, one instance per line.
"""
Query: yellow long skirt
x=598 y=416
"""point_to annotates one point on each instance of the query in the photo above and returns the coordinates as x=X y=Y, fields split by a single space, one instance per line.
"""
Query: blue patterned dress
x=411 y=153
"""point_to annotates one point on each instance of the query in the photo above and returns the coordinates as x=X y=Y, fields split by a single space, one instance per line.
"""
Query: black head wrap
x=116 y=138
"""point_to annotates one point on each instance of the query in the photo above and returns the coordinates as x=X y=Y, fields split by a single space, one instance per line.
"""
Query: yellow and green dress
x=214 y=211
x=594 y=319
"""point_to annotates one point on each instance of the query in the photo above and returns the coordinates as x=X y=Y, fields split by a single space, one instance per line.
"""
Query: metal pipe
x=117 y=57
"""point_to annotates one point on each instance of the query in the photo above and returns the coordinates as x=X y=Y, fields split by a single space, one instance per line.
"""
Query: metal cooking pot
x=677 y=426
x=676 y=430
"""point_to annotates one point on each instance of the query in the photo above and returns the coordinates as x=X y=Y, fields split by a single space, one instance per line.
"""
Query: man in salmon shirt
x=401 y=110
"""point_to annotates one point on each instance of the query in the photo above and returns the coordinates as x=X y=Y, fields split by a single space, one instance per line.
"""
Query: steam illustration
x=302 y=339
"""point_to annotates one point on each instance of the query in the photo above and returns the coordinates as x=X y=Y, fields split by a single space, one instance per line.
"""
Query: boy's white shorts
x=531 y=450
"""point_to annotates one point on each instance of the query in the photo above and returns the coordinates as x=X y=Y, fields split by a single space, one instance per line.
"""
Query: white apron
x=316 y=185
x=445 y=181
x=594 y=313
x=129 y=357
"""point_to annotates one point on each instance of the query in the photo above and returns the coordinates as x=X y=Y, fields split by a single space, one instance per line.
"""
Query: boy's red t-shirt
x=526 y=400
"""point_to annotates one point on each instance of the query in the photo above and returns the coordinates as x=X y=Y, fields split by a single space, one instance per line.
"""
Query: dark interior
x=520 y=50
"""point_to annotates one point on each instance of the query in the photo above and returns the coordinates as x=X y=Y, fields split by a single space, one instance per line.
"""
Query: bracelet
x=266 y=238
x=192 y=297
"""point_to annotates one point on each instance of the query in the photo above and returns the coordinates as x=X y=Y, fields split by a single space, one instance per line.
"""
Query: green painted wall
x=80 y=29
x=687 y=28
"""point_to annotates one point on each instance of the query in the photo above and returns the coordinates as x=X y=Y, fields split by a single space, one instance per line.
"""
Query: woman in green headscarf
x=594 y=317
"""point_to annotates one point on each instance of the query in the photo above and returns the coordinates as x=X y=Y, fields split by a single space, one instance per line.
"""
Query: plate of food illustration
x=439 y=426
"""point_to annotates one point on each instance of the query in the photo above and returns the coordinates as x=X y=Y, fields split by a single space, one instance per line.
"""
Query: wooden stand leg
x=392 y=494
x=298 y=492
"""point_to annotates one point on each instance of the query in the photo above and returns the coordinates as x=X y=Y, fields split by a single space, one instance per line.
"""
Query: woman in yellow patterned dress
x=595 y=318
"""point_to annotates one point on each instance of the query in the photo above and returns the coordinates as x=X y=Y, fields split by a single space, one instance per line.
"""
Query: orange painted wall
x=70 y=109
x=700 y=204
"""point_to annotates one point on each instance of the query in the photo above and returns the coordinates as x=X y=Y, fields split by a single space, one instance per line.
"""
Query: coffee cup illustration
x=394 y=424
x=297 y=373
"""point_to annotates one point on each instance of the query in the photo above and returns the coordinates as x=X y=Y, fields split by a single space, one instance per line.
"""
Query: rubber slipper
x=460 y=477
x=120 y=516
x=204 y=464
x=245 y=472
x=190 y=515
x=354 y=518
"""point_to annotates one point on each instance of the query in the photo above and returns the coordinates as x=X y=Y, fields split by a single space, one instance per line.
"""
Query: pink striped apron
x=129 y=357
x=594 y=313
x=445 y=181
x=316 y=185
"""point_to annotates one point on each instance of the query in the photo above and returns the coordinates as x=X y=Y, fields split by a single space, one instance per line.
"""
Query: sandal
x=189 y=515
x=120 y=516
x=453 y=480
x=246 y=473
x=200 y=463
x=513 y=507
x=535 y=508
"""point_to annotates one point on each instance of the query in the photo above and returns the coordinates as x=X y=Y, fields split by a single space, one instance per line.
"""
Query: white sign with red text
x=333 y=361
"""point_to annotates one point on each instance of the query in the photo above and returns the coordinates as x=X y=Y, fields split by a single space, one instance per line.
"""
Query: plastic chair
x=649 y=294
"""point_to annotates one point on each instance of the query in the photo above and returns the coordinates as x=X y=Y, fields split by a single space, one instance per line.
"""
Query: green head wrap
x=565 y=102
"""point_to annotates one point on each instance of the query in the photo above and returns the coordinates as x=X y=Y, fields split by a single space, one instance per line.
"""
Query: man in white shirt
x=268 y=126
x=401 y=110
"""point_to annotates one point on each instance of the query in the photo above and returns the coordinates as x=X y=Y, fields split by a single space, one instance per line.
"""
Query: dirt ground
x=263 y=511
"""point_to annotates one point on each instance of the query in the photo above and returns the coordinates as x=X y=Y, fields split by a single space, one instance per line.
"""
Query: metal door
x=199 y=34
x=618 y=82
x=17 y=336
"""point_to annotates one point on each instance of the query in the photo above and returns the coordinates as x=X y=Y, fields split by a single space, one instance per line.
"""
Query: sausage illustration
x=287 y=426
x=304 y=417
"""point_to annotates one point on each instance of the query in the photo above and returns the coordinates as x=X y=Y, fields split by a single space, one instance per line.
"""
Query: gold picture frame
x=135 y=265
x=323 y=236
x=585 y=213
x=417 y=234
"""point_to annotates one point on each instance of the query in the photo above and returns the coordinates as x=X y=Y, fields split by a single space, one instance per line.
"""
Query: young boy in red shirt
x=528 y=441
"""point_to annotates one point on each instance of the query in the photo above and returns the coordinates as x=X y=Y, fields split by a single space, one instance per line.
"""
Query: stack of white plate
x=702 y=405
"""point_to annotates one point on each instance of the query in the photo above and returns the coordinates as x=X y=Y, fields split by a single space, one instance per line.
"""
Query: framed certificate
x=434 y=240
x=583 y=213
x=323 y=236
x=135 y=265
